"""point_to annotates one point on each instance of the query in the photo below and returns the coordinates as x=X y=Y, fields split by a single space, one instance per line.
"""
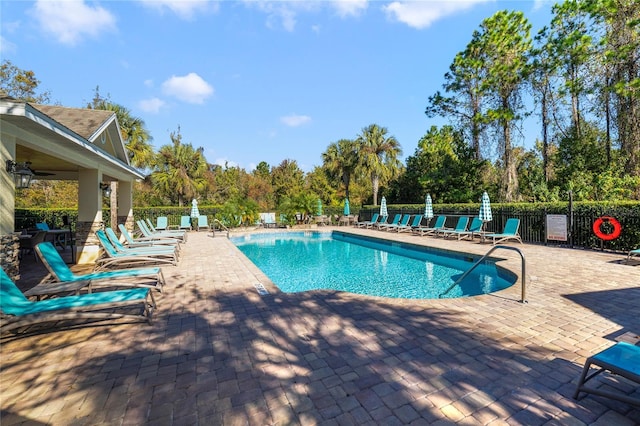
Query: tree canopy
x=582 y=70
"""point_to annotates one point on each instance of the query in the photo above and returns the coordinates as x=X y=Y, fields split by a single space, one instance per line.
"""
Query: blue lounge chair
x=61 y=275
x=622 y=359
x=185 y=223
x=114 y=259
x=394 y=222
x=43 y=226
x=16 y=311
x=474 y=229
x=404 y=221
x=381 y=220
x=461 y=226
x=168 y=252
x=632 y=253
x=162 y=223
x=27 y=245
x=141 y=241
x=148 y=248
x=146 y=232
x=203 y=222
x=152 y=229
x=363 y=224
x=510 y=232
x=417 y=219
x=430 y=230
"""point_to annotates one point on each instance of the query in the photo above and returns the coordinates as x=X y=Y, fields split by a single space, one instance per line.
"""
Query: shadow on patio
x=293 y=359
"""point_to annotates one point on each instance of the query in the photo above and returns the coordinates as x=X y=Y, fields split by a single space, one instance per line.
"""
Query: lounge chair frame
x=11 y=322
x=394 y=222
x=62 y=279
x=622 y=359
x=203 y=223
x=162 y=223
x=381 y=220
x=475 y=228
x=147 y=232
x=185 y=223
x=365 y=223
x=116 y=260
x=461 y=226
x=131 y=241
x=632 y=253
x=144 y=248
x=415 y=223
x=505 y=235
x=404 y=221
x=92 y=307
x=431 y=230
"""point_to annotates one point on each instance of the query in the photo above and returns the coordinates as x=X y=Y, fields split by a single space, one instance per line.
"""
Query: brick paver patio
x=219 y=353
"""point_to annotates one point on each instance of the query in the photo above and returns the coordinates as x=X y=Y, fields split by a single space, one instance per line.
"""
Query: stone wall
x=9 y=251
x=88 y=246
x=128 y=223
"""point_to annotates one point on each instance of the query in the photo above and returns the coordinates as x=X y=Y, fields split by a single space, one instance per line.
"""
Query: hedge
x=532 y=217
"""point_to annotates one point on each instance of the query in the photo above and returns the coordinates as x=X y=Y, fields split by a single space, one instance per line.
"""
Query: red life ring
x=617 y=229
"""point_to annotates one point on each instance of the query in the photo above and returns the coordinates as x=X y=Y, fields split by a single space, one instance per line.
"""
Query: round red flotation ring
x=613 y=222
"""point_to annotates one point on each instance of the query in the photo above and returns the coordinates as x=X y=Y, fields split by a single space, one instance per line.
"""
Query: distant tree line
x=582 y=71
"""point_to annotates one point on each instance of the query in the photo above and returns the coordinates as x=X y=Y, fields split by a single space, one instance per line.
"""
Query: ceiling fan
x=27 y=165
x=24 y=168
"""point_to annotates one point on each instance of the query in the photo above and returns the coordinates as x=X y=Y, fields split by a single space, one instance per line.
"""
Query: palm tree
x=132 y=129
x=180 y=170
x=135 y=136
x=378 y=156
x=340 y=160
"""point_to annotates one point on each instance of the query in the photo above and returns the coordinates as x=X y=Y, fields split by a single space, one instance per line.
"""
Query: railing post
x=468 y=271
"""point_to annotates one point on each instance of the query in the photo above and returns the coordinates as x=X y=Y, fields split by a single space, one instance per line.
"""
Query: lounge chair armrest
x=46 y=289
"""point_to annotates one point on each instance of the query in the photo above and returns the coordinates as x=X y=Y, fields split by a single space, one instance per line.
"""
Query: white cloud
x=278 y=13
x=70 y=20
x=349 y=7
x=184 y=9
x=148 y=82
x=541 y=4
x=190 y=88
x=152 y=105
x=224 y=162
x=295 y=120
x=6 y=46
x=422 y=14
x=283 y=14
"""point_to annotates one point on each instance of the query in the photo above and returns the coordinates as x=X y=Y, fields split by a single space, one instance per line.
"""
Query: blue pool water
x=303 y=261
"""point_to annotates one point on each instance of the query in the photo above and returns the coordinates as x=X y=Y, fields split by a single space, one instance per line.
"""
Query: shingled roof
x=84 y=122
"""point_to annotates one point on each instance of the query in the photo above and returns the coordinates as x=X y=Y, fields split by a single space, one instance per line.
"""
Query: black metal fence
x=533 y=220
x=533 y=225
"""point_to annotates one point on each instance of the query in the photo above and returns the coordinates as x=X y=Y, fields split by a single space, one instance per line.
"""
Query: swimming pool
x=311 y=260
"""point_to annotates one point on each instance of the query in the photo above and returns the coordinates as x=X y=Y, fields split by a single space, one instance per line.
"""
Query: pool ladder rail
x=524 y=287
x=221 y=225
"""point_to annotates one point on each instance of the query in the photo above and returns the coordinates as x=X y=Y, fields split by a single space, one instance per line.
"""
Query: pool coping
x=219 y=353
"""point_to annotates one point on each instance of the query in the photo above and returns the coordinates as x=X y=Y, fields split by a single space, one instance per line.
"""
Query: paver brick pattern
x=219 y=353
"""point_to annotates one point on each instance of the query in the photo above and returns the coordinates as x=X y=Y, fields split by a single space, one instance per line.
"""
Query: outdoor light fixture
x=22 y=174
x=106 y=189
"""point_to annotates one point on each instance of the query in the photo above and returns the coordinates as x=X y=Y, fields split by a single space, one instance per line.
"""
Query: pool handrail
x=222 y=227
x=463 y=276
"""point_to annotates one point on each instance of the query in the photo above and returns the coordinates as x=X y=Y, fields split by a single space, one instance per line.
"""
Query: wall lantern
x=106 y=189
x=22 y=174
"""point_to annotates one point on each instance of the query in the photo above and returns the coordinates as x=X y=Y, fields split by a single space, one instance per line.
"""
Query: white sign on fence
x=557 y=227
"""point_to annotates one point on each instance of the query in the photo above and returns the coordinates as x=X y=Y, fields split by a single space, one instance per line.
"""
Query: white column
x=125 y=203
x=7 y=187
x=89 y=215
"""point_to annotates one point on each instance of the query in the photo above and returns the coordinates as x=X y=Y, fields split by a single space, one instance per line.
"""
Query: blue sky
x=253 y=81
